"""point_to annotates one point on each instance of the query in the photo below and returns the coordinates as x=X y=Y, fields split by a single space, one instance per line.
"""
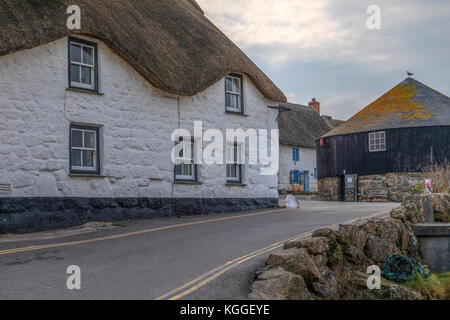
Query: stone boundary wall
x=20 y=215
x=332 y=264
x=388 y=187
x=380 y=187
x=329 y=189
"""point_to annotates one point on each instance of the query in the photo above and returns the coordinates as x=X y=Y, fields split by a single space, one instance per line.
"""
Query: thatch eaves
x=170 y=42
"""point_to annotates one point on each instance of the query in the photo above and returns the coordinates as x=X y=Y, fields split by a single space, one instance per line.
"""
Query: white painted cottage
x=86 y=117
x=299 y=130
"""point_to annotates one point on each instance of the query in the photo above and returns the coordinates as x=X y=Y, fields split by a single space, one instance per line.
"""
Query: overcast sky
x=323 y=48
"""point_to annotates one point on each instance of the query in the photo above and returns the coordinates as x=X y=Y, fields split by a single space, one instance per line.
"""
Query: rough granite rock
x=296 y=261
x=328 y=233
x=352 y=234
x=279 y=284
x=378 y=250
x=397 y=292
x=328 y=287
x=356 y=257
x=315 y=246
x=421 y=208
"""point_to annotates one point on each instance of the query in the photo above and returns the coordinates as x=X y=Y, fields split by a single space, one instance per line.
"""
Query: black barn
x=385 y=147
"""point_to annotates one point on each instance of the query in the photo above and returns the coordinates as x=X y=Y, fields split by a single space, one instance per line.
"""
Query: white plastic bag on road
x=291 y=202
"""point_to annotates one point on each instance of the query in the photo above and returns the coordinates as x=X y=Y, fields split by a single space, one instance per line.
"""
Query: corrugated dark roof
x=301 y=126
x=409 y=104
x=170 y=42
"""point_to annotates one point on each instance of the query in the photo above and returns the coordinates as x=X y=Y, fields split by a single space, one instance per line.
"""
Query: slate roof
x=409 y=104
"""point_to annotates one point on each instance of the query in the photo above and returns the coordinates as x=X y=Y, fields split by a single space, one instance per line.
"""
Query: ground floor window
x=186 y=170
x=234 y=168
x=300 y=179
x=84 y=149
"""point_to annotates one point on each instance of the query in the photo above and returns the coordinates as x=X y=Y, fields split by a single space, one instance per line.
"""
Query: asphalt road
x=203 y=257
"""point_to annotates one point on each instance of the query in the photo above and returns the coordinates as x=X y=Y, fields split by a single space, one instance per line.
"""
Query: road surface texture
x=202 y=257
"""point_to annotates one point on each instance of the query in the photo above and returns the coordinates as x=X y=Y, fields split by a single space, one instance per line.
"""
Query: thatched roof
x=301 y=126
x=334 y=123
x=409 y=104
x=170 y=42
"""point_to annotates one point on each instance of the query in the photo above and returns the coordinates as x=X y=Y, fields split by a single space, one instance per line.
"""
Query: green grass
x=436 y=285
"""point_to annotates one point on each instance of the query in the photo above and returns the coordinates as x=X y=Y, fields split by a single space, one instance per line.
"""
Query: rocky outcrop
x=333 y=263
x=423 y=208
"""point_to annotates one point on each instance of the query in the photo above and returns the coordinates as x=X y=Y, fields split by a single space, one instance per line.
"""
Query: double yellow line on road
x=135 y=233
x=209 y=276
x=205 y=278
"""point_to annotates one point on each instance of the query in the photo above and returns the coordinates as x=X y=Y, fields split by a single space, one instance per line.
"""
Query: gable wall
x=307 y=162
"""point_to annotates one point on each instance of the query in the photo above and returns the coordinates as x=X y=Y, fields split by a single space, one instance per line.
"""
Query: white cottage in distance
x=299 y=129
x=86 y=117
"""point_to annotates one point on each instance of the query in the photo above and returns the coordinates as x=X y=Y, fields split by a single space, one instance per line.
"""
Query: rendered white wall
x=136 y=121
x=307 y=162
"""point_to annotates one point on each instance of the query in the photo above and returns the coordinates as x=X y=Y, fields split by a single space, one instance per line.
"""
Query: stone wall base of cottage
x=21 y=215
x=377 y=188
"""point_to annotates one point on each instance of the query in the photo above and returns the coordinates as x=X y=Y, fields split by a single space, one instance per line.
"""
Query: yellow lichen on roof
x=399 y=103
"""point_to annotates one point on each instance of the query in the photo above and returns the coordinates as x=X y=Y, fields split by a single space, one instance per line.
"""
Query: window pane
x=234 y=101
x=87 y=55
x=187 y=169
x=88 y=158
x=228 y=84
x=236 y=85
x=86 y=75
x=74 y=73
x=228 y=100
x=89 y=139
x=77 y=139
x=75 y=53
x=76 y=158
x=179 y=170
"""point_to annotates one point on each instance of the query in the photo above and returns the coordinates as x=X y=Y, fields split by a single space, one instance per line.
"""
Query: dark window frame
x=227 y=110
x=195 y=166
x=97 y=136
x=295 y=154
x=88 y=43
x=385 y=141
x=240 y=168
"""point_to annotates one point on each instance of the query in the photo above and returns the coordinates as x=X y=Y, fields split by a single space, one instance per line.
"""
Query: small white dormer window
x=377 y=141
x=234 y=93
x=83 y=65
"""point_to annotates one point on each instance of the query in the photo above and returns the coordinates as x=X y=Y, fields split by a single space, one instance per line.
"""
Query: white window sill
x=187 y=182
x=81 y=90
x=86 y=175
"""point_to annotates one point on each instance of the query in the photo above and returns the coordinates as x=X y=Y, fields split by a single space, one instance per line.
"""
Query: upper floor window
x=234 y=168
x=377 y=141
x=186 y=170
x=84 y=149
x=295 y=155
x=234 y=101
x=83 y=65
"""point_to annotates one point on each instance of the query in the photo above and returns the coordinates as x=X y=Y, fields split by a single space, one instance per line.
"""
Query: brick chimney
x=315 y=104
